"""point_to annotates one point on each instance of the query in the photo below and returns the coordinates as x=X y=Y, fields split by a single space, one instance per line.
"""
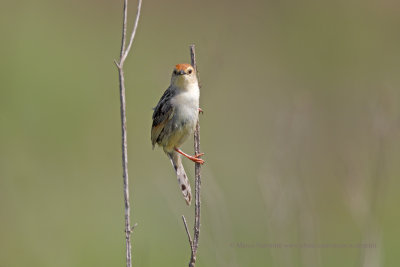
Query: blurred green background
x=300 y=130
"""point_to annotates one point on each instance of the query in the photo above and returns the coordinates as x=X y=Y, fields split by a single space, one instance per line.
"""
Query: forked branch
x=120 y=65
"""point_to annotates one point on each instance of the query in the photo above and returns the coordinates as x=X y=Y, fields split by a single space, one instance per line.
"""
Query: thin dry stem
x=123 y=54
x=195 y=242
x=187 y=232
x=134 y=29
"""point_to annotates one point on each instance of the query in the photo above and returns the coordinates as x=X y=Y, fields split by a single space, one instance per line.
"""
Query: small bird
x=174 y=120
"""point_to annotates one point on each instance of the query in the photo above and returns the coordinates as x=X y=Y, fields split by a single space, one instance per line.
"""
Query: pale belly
x=180 y=127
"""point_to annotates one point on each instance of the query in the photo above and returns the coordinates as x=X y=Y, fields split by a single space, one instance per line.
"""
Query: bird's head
x=183 y=75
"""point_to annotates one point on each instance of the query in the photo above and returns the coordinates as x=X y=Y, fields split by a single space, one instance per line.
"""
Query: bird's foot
x=196 y=158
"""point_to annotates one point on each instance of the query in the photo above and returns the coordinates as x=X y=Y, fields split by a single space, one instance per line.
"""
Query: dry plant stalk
x=120 y=66
x=194 y=243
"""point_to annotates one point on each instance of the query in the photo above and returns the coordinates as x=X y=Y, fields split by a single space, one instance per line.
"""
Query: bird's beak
x=181 y=72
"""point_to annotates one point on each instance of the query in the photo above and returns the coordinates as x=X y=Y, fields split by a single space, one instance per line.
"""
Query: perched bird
x=174 y=120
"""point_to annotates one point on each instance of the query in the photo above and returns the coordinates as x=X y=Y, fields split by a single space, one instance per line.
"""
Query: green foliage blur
x=300 y=128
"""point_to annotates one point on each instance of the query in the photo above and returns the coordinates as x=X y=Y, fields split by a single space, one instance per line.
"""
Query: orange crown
x=183 y=67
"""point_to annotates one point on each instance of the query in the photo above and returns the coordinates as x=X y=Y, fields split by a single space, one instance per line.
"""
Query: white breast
x=186 y=103
x=184 y=119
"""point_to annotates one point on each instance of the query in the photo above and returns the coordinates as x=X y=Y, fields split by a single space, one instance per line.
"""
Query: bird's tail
x=181 y=175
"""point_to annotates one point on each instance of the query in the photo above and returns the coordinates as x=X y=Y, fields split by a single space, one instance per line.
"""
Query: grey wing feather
x=161 y=115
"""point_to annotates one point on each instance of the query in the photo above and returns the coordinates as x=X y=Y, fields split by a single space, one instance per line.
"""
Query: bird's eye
x=175 y=72
x=190 y=71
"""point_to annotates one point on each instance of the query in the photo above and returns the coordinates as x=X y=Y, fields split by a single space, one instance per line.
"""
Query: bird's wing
x=163 y=112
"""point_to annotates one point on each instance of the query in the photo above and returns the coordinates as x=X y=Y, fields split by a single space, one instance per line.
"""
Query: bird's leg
x=201 y=111
x=194 y=158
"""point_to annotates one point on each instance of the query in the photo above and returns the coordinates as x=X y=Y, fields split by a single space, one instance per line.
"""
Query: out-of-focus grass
x=300 y=131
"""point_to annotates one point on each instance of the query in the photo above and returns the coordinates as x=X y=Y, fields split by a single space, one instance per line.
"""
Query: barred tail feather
x=181 y=175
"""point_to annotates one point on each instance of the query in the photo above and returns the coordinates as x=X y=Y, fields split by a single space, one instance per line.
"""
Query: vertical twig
x=194 y=243
x=188 y=233
x=197 y=173
x=120 y=64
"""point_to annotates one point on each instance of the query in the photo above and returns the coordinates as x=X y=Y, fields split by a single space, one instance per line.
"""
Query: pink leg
x=194 y=158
